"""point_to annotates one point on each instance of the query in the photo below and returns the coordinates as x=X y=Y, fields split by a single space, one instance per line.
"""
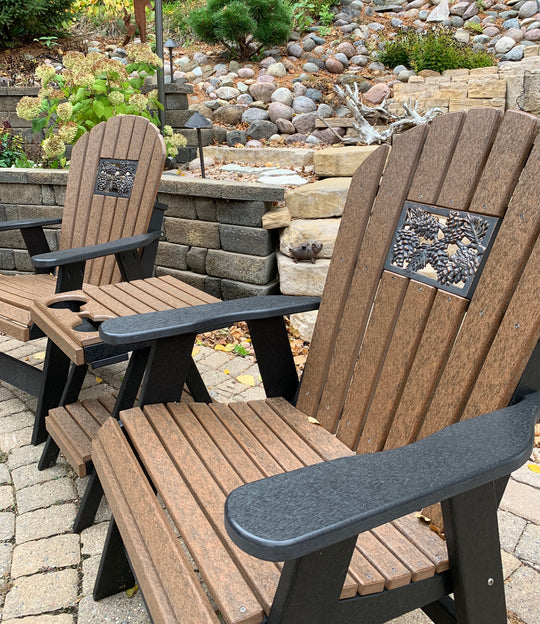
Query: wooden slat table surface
x=99 y=303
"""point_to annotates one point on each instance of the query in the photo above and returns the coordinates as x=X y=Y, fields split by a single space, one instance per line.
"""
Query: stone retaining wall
x=213 y=234
x=462 y=89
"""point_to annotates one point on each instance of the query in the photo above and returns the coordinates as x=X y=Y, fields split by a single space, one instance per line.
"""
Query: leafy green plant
x=11 y=148
x=49 y=42
x=476 y=28
x=22 y=20
x=437 y=50
x=324 y=30
x=240 y=350
x=326 y=17
x=91 y=89
x=234 y=24
x=480 y=5
x=303 y=11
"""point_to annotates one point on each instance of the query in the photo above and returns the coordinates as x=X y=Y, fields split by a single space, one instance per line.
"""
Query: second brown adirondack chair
x=110 y=228
x=430 y=313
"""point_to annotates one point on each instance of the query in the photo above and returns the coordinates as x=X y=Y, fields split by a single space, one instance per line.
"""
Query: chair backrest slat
x=386 y=307
x=469 y=157
x=507 y=157
x=406 y=355
x=370 y=260
x=406 y=337
x=92 y=217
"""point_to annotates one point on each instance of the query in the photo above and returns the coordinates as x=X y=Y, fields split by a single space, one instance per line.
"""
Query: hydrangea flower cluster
x=91 y=88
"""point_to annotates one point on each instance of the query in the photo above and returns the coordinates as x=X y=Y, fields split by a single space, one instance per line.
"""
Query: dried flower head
x=64 y=111
x=45 y=73
x=68 y=132
x=29 y=108
x=139 y=102
x=116 y=98
x=53 y=147
x=141 y=53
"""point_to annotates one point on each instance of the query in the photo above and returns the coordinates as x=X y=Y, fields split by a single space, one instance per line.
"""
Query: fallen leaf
x=247 y=380
x=39 y=356
x=99 y=380
x=132 y=591
x=314 y=421
x=227 y=371
x=534 y=467
x=195 y=350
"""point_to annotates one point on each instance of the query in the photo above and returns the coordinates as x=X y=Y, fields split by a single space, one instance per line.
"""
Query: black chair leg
x=50 y=454
x=472 y=535
x=114 y=573
x=89 y=504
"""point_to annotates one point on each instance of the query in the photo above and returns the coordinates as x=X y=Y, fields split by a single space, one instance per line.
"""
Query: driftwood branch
x=366 y=117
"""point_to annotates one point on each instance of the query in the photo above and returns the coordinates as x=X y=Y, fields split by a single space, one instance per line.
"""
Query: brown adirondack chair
x=430 y=313
x=109 y=231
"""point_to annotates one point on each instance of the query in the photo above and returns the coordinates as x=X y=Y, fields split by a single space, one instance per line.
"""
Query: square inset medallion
x=444 y=248
x=115 y=177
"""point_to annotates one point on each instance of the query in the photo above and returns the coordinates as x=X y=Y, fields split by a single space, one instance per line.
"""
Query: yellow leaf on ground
x=132 y=591
x=313 y=421
x=219 y=347
x=226 y=371
x=39 y=356
x=195 y=350
x=99 y=380
x=247 y=380
x=228 y=348
x=534 y=467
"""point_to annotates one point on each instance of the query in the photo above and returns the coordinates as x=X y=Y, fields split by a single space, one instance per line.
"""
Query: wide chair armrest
x=199 y=319
x=80 y=254
x=24 y=224
x=296 y=513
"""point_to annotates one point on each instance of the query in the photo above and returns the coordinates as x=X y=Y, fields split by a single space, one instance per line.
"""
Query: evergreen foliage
x=244 y=27
x=22 y=20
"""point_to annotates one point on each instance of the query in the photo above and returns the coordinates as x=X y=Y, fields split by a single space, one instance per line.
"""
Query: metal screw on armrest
x=490 y=582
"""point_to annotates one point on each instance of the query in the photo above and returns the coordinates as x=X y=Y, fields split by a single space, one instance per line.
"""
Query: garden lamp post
x=198 y=122
x=170 y=45
x=159 y=51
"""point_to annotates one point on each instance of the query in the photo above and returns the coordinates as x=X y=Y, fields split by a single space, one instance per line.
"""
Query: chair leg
x=50 y=454
x=472 y=535
x=89 y=504
x=114 y=573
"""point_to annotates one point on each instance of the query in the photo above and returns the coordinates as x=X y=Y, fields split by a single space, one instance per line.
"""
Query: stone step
x=340 y=161
x=318 y=200
x=282 y=156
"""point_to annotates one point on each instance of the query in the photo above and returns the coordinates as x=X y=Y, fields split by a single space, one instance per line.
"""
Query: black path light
x=198 y=122
x=170 y=45
x=159 y=51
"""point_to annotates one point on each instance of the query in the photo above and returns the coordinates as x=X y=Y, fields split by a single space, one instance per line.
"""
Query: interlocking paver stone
x=528 y=548
x=89 y=567
x=5 y=476
x=28 y=475
x=41 y=523
x=523 y=594
x=59 y=551
x=21 y=456
x=13 y=439
x=11 y=406
x=7 y=525
x=42 y=593
x=6 y=550
x=510 y=529
x=510 y=563
x=117 y=608
x=45 y=494
x=61 y=618
x=92 y=539
x=6 y=497
x=522 y=499
x=17 y=420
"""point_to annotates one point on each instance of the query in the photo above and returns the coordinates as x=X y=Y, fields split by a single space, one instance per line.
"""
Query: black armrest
x=199 y=319
x=296 y=513
x=80 y=254
x=28 y=223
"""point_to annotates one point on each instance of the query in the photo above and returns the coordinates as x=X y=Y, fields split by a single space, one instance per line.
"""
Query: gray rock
x=515 y=54
x=533 y=25
x=282 y=95
x=327 y=136
x=285 y=126
x=342 y=58
x=299 y=89
x=360 y=60
x=459 y=8
x=318 y=40
x=262 y=91
x=305 y=123
x=511 y=23
x=404 y=75
x=318 y=50
x=515 y=33
x=504 y=45
x=254 y=114
x=456 y=21
x=398 y=69
x=346 y=48
x=201 y=58
x=314 y=94
x=491 y=31
x=277 y=110
x=229 y=115
x=294 y=49
x=236 y=136
x=395 y=22
x=528 y=9
x=462 y=35
x=295 y=138
x=310 y=68
x=266 y=78
x=483 y=39
x=245 y=72
x=254 y=143
x=303 y=104
x=308 y=44
x=277 y=69
x=533 y=35
x=423 y=15
x=334 y=66
x=244 y=99
x=440 y=12
x=376 y=66
x=227 y=93
x=471 y=11
x=261 y=129
x=324 y=110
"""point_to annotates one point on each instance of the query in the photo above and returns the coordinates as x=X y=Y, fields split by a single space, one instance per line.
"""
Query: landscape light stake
x=199 y=122
x=170 y=45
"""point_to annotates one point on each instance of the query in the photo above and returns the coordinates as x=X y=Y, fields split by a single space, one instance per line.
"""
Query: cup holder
x=88 y=325
x=67 y=304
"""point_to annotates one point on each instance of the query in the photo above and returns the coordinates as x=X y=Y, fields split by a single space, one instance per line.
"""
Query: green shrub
x=437 y=50
x=22 y=20
x=11 y=148
x=233 y=23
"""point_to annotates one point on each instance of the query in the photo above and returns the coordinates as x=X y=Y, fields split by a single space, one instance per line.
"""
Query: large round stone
x=227 y=93
x=261 y=129
x=229 y=115
x=303 y=104
x=262 y=91
x=294 y=49
x=305 y=123
x=528 y=9
x=245 y=72
x=334 y=66
x=282 y=95
x=235 y=137
x=276 y=110
x=277 y=69
x=533 y=35
x=254 y=114
x=346 y=48
x=377 y=93
x=285 y=126
x=504 y=45
x=310 y=67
